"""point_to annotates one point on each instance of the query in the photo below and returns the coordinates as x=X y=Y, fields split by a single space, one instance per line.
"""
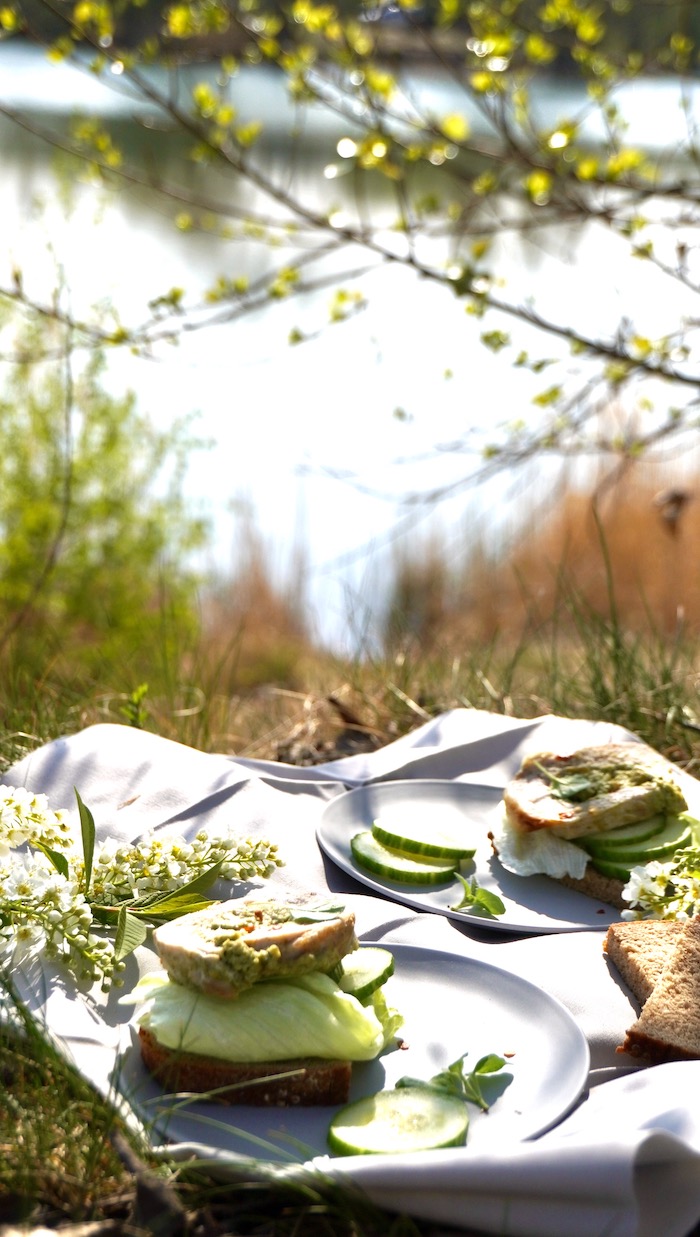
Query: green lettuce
x=276 y=1020
x=390 y=1019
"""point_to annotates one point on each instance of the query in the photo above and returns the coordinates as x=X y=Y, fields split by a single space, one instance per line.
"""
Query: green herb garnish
x=454 y=1081
x=477 y=899
x=318 y=914
x=573 y=787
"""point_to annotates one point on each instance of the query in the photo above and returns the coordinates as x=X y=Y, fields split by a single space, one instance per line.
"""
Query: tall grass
x=592 y=611
x=569 y=542
x=57 y=1156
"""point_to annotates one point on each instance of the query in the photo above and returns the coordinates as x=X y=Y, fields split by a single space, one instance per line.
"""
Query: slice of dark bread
x=309 y=1081
x=640 y=952
x=668 y=1028
x=603 y=888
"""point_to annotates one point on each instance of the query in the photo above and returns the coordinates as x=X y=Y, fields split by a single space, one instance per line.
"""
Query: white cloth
x=625 y=1163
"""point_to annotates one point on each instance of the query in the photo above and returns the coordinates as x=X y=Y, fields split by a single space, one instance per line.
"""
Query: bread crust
x=656 y=1051
x=313 y=1082
x=667 y=1028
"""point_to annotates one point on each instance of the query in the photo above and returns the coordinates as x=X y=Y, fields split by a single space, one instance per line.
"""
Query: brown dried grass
x=626 y=548
x=631 y=546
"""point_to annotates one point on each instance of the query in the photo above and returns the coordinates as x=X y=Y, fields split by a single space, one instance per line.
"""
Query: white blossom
x=26 y=818
x=665 y=890
x=160 y=864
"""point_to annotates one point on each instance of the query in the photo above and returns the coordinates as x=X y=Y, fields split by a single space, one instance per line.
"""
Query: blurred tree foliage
x=493 y=162
x=649 y=26
x=95 y=536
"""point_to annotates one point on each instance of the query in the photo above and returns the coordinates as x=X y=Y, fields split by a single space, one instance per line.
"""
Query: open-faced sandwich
x=588 y=818
x=264 y=1003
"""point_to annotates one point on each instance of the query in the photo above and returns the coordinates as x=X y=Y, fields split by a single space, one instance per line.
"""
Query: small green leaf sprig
x=573 y=787
x=89 y=908
x=478 y=900
x=455 y=1080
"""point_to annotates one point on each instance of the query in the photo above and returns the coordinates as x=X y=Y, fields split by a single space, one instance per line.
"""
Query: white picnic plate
x=451 y=1005
x=533 y=904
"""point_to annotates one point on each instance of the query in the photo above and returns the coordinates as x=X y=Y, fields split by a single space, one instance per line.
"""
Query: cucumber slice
x=365 y=970
x=422 y=839
x=408 y=1119
x=616 y=871
x=396 y=865
x=626 y=836
x=677 y=835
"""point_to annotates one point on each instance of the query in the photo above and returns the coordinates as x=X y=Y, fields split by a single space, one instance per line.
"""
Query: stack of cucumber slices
x=411 y=854
x=615 y=853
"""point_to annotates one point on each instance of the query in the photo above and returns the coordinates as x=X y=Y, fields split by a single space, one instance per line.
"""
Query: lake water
x=320 y=442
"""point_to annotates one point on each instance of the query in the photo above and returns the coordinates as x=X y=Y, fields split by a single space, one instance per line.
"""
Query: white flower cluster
x=44 y=906
x=160 y=864
x=26 y=818
x=665 y=890
x=43 y=911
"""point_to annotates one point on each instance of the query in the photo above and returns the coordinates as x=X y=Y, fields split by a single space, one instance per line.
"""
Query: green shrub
x=95 y=535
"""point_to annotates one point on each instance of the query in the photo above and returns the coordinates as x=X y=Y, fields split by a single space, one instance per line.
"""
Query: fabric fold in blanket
x=624 y=1163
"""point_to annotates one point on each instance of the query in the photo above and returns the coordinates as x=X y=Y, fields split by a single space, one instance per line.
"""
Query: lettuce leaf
x=279 y=1019
x=538 y=852
x=390 y=1019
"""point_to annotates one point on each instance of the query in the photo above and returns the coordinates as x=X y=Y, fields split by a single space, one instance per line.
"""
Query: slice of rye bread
x=604 y=888
x=668 y=1028
x=640 y=952
x=313 y=1082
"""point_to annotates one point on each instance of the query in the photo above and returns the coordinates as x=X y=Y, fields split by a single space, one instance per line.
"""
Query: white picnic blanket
x=624 y=1163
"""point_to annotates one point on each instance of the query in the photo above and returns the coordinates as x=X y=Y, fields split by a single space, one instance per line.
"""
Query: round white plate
x=533 y=904
x=451 y=1005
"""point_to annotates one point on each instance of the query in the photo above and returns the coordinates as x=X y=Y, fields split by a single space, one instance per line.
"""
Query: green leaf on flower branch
x=198 y=884
x=87 y=829
x=58 y=860
x=159 y=906
x=131 y=933
x=173 y=908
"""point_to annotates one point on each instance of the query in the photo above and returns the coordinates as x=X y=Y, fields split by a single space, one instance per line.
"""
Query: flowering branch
x=59 y=900
x=665 y=890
